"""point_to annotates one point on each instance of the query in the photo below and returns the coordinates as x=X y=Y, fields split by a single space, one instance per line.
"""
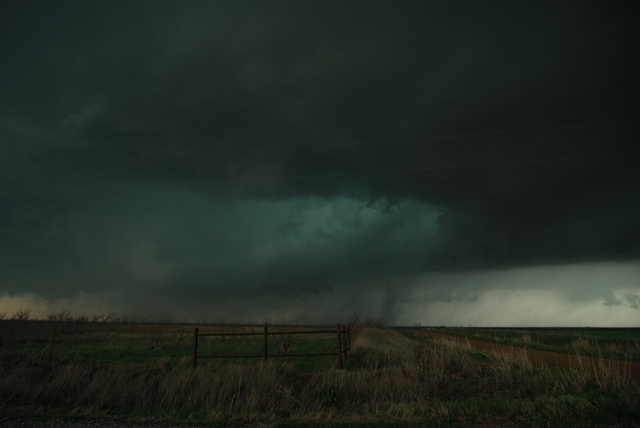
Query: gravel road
x=60 y=423
x=96 y=423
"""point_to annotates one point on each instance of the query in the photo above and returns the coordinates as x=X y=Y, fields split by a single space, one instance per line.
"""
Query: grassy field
x=392 y=379
x=605 y=343
x=123 y=344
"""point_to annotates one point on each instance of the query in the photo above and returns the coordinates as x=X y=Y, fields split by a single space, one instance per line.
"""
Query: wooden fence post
x=339 y=347
x=53 y=339
x=195 y=348
x=346 y=344
x=264 y=345
x=346 y=347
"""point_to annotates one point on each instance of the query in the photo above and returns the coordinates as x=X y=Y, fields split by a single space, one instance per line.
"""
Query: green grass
x=130 y=344
x=612 y=344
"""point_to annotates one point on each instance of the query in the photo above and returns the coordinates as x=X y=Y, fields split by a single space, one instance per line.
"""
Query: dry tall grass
x=389 y=376
x=593 y=346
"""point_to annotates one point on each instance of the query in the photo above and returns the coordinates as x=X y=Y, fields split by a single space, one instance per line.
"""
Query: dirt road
x=551 y=359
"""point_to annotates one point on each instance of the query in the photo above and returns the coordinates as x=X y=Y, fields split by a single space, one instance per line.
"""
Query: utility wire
x=324 y=146
x=341 y=174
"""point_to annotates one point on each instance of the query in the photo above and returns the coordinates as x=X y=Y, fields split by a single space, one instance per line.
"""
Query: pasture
x=617 y=344
x=143 y=372
x=123 y=343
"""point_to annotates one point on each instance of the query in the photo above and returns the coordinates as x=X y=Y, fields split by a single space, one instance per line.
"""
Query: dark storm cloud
x=110 y=80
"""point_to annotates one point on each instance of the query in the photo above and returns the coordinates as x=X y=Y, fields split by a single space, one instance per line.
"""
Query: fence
x=343 y=339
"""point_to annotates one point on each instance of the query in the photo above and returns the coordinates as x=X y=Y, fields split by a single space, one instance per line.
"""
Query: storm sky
x=444 y=162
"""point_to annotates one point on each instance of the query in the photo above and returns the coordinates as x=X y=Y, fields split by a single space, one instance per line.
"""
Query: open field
x=392 y=379
x=134 y=344
x=547 y=358
x=617 y=344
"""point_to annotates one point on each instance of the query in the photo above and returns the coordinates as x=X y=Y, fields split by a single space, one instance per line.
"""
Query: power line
x=323 y=146
x=343 y=174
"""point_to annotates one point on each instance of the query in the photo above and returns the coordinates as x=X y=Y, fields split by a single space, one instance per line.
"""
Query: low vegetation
x=598 y=343
x=390 y=377
x=107 y=340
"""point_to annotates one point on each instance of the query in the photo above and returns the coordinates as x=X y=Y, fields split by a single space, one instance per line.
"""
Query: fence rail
x=343 y=339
